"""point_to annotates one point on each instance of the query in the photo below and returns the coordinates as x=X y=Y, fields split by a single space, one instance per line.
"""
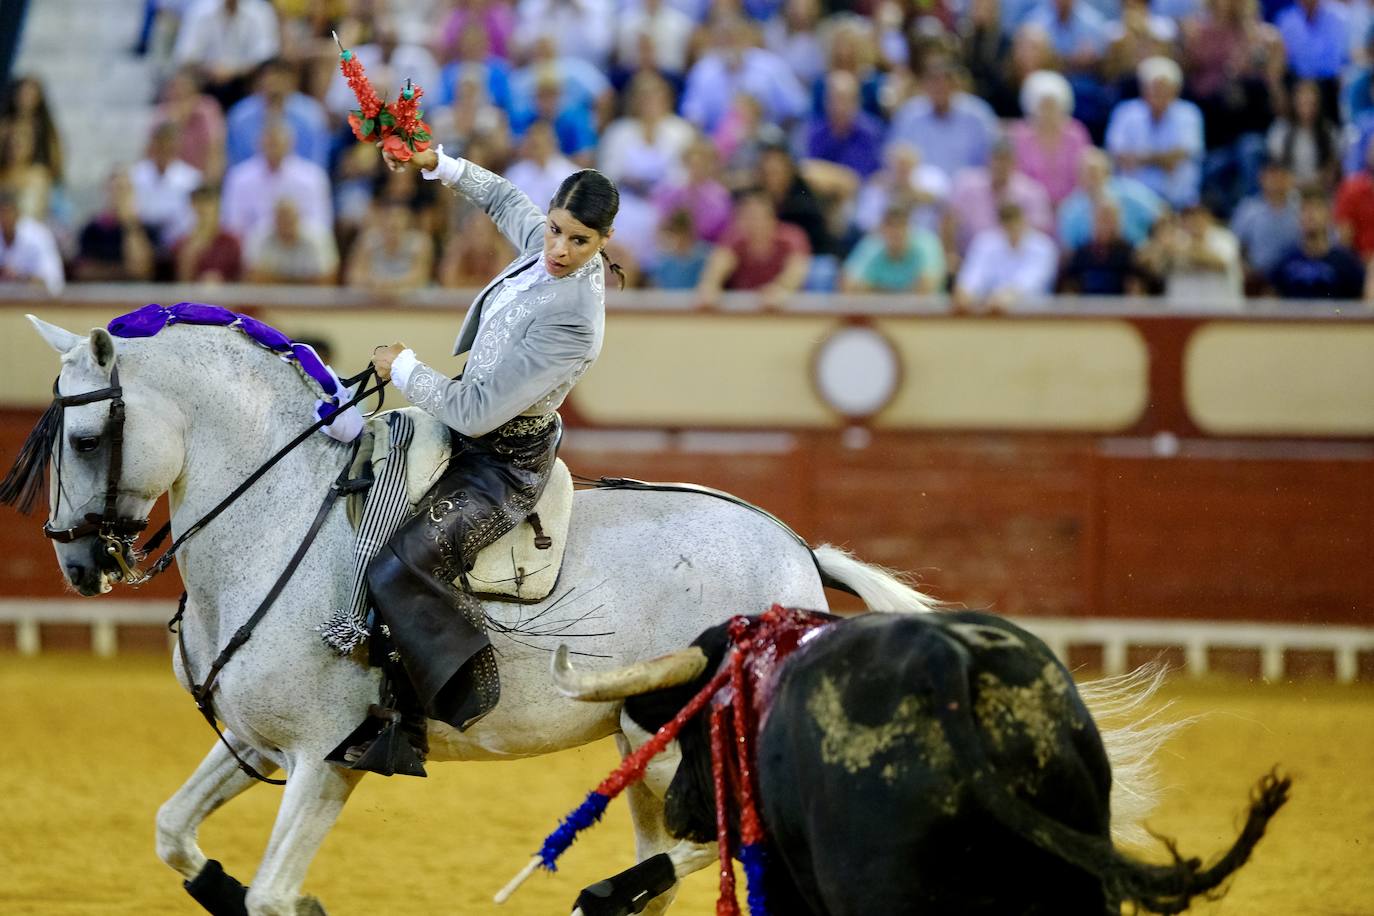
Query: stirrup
x=385 y=746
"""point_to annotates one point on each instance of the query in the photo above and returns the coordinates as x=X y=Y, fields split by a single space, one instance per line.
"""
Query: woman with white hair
x=1048 y=141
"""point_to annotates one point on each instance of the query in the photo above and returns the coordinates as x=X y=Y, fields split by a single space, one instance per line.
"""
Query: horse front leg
x=217 y=780
x=314 y=796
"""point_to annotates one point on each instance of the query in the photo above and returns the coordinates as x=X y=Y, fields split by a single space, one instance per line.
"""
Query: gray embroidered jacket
x=539 y=339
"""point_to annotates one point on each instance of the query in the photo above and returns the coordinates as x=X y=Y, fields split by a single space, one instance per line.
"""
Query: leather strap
x=201 y=693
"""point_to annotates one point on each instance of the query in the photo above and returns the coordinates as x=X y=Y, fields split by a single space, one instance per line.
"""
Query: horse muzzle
x=93 y=565
x=88 y=578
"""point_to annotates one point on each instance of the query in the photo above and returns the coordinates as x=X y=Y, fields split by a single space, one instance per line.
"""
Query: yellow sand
x=89 y=748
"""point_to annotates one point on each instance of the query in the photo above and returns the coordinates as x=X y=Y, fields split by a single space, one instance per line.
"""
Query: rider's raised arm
x=518 y=218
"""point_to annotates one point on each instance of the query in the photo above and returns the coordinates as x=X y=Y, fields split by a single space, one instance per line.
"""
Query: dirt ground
x=89 y=748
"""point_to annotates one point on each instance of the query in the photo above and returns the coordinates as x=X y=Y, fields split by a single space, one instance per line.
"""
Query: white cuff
x=448 y=171
x=403 y=365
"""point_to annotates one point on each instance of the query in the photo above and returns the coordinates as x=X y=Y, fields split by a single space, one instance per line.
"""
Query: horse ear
x=60 y=339
x=102 y=348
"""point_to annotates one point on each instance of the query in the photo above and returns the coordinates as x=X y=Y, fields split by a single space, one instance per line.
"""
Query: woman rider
x=529 y=336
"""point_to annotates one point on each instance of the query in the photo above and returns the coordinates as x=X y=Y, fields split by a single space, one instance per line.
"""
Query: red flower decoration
x=368 y=100
x=397 y=126
x=406 y=121
x=397 y=147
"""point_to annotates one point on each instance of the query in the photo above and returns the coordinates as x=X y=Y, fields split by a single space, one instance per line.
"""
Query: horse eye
x=86 y=443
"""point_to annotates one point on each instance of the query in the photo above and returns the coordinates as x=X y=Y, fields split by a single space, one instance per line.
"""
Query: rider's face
x=568 y=243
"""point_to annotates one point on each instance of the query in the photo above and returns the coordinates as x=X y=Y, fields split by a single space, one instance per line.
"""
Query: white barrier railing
x=103 y=617
x=1115 y=637
x=1197 y=637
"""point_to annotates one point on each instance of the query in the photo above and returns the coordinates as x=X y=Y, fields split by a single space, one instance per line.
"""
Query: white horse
x=643 y=574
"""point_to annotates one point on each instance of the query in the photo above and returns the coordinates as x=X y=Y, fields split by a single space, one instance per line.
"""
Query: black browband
x=108 y=525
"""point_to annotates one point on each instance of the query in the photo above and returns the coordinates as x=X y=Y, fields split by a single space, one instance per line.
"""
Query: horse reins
x=160 y=565
x=201 y=693
x=119 y=533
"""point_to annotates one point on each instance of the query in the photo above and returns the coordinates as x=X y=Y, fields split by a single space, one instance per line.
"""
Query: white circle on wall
x=857 y=371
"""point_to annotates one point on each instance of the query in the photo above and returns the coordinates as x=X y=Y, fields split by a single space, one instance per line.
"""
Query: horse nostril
x=75 y=571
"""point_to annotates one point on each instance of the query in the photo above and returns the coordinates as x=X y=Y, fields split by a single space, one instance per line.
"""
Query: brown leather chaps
x=489 y=486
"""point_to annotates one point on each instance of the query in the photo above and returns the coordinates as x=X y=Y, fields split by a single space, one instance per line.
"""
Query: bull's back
x=866 y=759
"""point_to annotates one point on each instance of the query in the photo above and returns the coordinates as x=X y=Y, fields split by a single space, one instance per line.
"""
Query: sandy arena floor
x=91 y=747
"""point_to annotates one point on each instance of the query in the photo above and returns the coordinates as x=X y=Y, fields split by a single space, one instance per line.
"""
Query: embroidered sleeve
x=518 y=218
x=425 y=388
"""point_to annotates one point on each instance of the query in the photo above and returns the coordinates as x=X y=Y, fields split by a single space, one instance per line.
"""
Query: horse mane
x=23 y=484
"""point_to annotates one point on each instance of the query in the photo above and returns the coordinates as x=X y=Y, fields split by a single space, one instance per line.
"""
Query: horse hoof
x=309 y=906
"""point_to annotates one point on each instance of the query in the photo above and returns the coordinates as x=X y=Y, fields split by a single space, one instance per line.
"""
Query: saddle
x=521 y=566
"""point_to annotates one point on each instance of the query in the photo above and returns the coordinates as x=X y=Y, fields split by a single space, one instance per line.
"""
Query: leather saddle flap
x=523 y=564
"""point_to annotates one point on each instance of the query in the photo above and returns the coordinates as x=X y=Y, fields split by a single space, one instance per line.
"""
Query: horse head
x=113 y=451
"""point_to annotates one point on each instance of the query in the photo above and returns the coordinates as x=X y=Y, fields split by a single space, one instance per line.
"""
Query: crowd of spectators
x=1201 y=151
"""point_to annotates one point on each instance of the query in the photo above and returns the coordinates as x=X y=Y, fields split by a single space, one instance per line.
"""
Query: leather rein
x=118 y=533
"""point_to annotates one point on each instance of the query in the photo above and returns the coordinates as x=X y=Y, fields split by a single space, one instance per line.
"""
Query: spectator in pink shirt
x=979 y=192
x=1048 y=142
x=497 y=17
x=198 y=120
x=698 y=192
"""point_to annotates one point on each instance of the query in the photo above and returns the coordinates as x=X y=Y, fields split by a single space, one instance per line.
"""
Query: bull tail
x=1132 y=737
x=1153 y=888
x=879 y=588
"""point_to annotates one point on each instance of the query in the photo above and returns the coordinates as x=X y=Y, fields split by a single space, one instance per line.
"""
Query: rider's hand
x=424 y=161
x=383 y=357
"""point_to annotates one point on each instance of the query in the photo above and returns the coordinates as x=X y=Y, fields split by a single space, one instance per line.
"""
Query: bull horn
x=654 y=674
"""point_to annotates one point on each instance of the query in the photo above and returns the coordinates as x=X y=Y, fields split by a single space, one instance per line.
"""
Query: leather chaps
x=489 y=486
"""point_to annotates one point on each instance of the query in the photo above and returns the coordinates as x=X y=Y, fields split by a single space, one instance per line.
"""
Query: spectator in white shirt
x=1197 y=261
x=162 y=187
x=28 y=252
x=287 y=250
x=665 y=29
x=252 y=188
x=578 y=27
x=227 y=39
x=542 y=167
x=1007 y=265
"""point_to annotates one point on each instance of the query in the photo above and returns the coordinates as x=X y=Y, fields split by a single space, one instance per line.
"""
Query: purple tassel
x=754 y=858
x=151 y=319
x=144 y=322
x=583 y=816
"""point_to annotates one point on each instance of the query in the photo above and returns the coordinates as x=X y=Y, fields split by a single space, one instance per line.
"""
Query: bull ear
x=102 y=348
x=60 y=339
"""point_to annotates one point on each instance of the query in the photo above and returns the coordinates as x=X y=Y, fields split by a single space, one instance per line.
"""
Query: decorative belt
x=526 y=426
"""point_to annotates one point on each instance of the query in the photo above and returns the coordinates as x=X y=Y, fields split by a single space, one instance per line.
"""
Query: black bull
x=925 y=764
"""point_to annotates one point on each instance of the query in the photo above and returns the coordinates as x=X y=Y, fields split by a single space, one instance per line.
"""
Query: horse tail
x=1132 y=738
x=879 y=588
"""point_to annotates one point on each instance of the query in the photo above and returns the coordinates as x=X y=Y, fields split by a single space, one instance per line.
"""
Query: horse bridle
x=116 y=532
x=119 y=533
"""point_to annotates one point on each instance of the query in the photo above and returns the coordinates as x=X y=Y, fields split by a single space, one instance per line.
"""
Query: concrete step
x=92 y=80
x=101 y=94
